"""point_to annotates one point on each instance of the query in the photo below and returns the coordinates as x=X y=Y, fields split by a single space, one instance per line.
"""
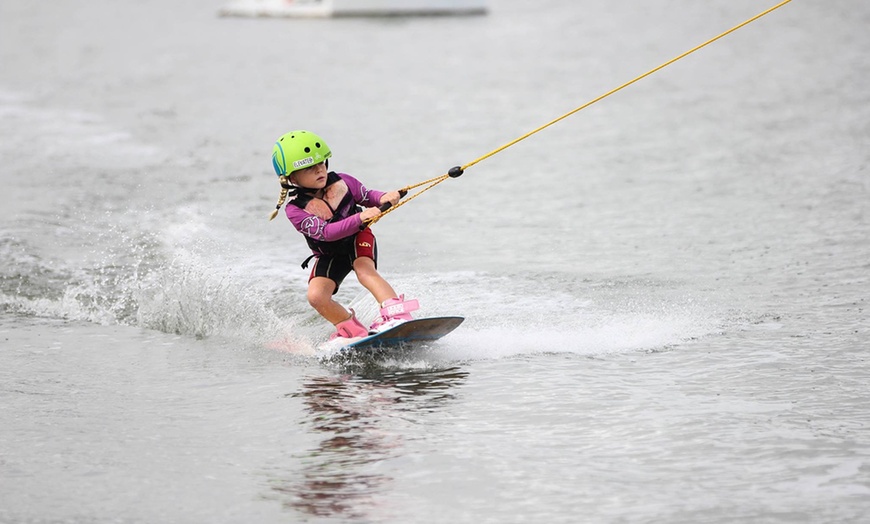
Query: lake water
x=666 y=293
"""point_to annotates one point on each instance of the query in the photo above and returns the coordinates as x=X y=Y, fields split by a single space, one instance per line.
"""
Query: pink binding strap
x=393 y=312
x=397 y=307
x=350 y=328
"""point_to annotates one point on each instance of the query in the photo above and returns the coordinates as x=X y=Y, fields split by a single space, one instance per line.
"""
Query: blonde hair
x=285 y=188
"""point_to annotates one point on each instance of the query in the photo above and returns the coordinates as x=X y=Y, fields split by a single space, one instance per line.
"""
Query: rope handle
x=388 y=205
x=453 y=172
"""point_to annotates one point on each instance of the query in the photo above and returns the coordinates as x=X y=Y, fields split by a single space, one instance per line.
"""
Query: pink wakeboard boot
x=393 y=312
x=350 y=328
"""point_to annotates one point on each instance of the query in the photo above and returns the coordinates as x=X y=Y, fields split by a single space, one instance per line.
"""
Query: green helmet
x=297 y=150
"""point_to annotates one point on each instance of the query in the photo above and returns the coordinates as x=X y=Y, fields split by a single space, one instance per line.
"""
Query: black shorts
x=337 y=267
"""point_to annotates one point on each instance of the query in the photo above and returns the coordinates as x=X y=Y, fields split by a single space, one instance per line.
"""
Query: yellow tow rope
x=458 y=170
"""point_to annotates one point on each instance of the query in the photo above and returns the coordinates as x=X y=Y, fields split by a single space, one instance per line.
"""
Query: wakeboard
x=407 y=334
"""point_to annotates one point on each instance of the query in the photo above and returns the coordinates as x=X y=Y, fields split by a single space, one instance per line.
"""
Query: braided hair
x=287 y=189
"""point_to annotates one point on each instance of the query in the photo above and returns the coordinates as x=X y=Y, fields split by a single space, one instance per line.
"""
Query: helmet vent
x=317 y=145
x=307 y=149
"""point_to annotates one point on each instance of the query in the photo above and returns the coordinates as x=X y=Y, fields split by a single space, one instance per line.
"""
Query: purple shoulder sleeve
x=362 y=195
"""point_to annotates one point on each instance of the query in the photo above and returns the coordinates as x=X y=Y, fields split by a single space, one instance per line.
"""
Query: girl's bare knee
x=317 y=300
x=364 y=264
x=319 y=296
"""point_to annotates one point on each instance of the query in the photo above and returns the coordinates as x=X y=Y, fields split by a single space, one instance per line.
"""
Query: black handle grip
x=388 y=205
x=384 y=207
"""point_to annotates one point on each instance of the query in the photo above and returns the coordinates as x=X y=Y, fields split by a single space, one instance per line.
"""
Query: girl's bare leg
x=369 y=277
x=320 y=291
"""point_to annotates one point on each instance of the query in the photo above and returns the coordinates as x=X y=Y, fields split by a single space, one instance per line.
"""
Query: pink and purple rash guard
x=327 y=226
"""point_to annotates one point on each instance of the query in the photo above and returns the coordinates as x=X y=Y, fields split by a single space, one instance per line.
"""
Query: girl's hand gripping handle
x=369 y=215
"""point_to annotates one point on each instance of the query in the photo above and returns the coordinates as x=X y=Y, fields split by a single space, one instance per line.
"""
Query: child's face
x=313 y=177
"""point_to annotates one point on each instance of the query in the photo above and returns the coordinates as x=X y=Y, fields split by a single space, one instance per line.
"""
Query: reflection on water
x=362 y=418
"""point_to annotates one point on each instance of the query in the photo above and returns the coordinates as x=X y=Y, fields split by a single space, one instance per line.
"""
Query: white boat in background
x=337 y=8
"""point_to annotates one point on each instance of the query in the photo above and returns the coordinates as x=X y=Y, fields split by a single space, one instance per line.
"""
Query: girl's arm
x=319 y=229
x=315 y=227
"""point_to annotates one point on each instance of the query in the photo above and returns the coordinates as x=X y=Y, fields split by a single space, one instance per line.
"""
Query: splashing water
x=136 y=281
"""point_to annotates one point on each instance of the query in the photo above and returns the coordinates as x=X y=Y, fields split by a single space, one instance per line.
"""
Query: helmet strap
x=291 y=188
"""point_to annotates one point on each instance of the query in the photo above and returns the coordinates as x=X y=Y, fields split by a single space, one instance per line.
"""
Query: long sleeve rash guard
x=324 y=224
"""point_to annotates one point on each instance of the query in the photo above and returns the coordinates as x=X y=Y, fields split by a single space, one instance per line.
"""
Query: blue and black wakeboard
x=408 y=334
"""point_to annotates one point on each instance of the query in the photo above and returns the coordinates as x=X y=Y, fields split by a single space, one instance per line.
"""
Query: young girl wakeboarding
x=331 y=209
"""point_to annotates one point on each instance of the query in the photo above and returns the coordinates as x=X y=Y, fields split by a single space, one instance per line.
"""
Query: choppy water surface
x=665 y=293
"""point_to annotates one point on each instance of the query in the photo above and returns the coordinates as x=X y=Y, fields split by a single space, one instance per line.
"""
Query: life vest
x=346 y=207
